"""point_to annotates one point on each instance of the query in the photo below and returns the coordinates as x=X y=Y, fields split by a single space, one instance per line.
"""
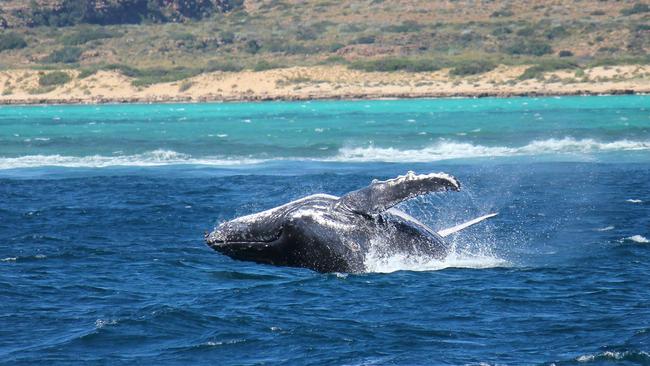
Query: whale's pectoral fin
x=457 y=228
x=382 y=195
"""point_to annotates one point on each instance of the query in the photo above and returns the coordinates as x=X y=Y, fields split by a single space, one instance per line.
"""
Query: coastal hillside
x=150 y=42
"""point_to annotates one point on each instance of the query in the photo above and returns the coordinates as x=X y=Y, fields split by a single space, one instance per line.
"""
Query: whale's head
x=302 y=231
x=254 y=237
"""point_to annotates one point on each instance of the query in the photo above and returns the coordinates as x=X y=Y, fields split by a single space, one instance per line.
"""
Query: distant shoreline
x=319 y=83
x=36 y=102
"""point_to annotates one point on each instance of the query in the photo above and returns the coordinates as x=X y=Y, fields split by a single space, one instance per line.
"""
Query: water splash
x=638 y=239
x=378 y=263
x=465 y=251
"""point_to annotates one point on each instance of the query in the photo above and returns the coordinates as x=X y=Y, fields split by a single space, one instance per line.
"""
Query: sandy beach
x=321 y=82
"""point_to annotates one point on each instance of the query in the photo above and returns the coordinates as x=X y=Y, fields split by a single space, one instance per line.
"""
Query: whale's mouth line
x=262 y=241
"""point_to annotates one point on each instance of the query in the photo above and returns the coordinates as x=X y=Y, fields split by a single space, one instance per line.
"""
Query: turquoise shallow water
x=103 y=209
x=401 y=130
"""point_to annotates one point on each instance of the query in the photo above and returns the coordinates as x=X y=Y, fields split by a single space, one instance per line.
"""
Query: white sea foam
x=638 y=239
x=606 y=228
x=444 y=150
x=614 y=356
x=402 y=262
x=220 y=343
x=477 y=254
x=151 y=158
x=457 y=150
x=101 y=323
x=634 y=201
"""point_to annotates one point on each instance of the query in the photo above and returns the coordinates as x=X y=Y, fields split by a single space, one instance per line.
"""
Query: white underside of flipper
x=457 y=228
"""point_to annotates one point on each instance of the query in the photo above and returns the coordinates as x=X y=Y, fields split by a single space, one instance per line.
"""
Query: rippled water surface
x=103 y=210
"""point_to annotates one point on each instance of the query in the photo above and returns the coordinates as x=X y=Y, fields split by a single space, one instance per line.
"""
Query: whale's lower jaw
x=238 y=245
x=277 y=253
x=258 y=252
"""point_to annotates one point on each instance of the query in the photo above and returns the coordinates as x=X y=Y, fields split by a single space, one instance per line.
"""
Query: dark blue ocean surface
x=103 y=210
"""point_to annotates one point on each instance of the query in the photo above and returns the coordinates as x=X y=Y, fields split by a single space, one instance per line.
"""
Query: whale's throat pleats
x=382 y=195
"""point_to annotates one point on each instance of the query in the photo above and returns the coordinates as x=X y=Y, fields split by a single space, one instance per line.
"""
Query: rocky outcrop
x=69 y=12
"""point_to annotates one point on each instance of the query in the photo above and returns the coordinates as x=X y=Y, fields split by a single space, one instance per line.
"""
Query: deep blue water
x=103 y=210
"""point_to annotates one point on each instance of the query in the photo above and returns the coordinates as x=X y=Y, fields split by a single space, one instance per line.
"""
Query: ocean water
x=103 y=210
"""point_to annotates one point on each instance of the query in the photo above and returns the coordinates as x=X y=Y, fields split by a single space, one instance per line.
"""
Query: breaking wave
x=639 y=357
x=459 y=150
x=445 y=150
x=638 y=239
x=151 y=158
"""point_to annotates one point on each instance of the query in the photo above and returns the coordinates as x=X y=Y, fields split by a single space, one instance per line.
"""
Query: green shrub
x=214 y=65
x=307 y=34
x=472 y=67
x=364 y=40
x=11 y=41
x=547 y=66
x=122 y=69
x=608 y=49
x=252 y=46
x=637 y=8
x=290 y=48
x=53 y=78
x=504 y=13
x=335 y=47
x=155 y=75
x=529 y=47
x=182 y=36
x=334 y=60
x=86 y=72
x=565 y=53
x=353 y=27
x=263 y=65
x=406 y=27
x=501 y=31
x=227 y=37
x=85 y=35
x=556 y=32
x=526 y=31
x=66 y=55
x=41 y=90
x=147 y=76
x=397 y=64
x=185 y=86
x=629 y=60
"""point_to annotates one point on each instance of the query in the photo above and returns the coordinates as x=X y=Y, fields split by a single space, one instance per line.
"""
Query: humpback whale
x=326 y=233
